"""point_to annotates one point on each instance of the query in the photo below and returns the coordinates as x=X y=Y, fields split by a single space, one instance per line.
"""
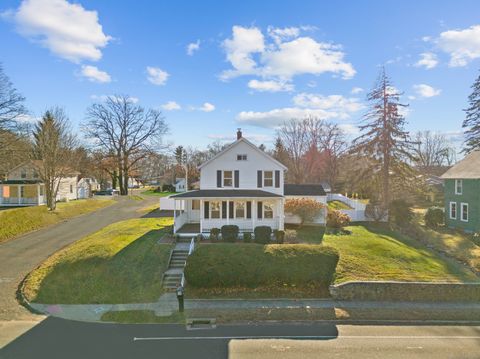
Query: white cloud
x=206 y=107
x=288 y=56
x=356 y=90
x=424 y=90
x=312 y=84
x=157 y=76
x=93 y=74
x=171 y=106
x=270 y=86
x=463 y=46
x=349 y=129
x=259 y=138
x=67 y=30
x=306 y=105
x=192 y=47
x=428 y=60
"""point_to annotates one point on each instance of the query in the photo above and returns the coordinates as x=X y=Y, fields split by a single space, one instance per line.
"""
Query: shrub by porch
x=232 y=266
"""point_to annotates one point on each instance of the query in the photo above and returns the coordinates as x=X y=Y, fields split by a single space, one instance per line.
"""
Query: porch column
x=38 y=194
x=201 y=215
x=174 y=216
x=254 y=213
x=228 y=212
x=19 y=199
x=281 y=214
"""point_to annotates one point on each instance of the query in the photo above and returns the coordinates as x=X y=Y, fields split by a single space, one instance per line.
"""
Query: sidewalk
x=167 y=305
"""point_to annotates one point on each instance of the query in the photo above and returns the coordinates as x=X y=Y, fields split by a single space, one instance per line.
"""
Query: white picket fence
x=167 y=204
x=357 y=213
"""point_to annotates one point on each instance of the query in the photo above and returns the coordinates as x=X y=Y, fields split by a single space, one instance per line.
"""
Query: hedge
x=229 y=233
x=263 y=234
x=252 y=265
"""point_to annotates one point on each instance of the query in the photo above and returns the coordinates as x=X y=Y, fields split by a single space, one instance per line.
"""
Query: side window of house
x=214 y=210
x=464 y=213
x=23 y=174
x=453 y=210
x=241 y=157
x=41 y=190
x=195 y=204
x=458 y=186
x=268 y=179
x=35 y=174
x=267 y=210
x=71 y=188
x=227 y=178
x=22 y=192
x=239 y=209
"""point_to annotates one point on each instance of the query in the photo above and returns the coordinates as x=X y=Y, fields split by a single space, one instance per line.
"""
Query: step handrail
x=192 y=246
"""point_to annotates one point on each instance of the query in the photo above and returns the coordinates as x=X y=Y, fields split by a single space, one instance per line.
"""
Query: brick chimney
x=239 y=133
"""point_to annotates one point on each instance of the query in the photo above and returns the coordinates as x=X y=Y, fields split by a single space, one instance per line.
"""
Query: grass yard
x=376 y=253
x=338 y=205
x=256 y=271
x=18 y=221
x=151 y=192
x=304 y=234
x=122 y=263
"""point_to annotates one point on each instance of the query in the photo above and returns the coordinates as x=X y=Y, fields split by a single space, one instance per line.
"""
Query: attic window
x=241 y=157
x=458 y=186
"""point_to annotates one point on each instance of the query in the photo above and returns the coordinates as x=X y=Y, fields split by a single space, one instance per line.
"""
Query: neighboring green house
x=462 y=194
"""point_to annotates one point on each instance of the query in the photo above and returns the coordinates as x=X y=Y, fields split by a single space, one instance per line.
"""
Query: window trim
x=451 y=205
x=210 y=209
x=231 y=178
x=23 y=173
x=265 y=178
x=244 y=209
x=265 y=211
x=242 y=157
x=458 y=181
x=461 y=211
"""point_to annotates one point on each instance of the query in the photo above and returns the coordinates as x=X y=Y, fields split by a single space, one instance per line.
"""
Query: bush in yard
x=400 y=212
x=279 y=236
x=305 y=208
x=168 y=188
x=336 y=219
x=228 y=265
x=434 y=217
x=214 y=232
x=263 y=234
x=247 y=237
x=230 y=233
x=376 y=211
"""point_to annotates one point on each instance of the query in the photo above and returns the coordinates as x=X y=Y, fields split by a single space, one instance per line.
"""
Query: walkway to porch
x=189 y=228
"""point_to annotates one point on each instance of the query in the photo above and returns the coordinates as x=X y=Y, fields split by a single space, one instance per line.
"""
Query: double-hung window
x=268 y=179
x=241 y=157
x=23 y=174
x=453 y=210
x=464 y=212
x=458 y=186
x=240 y=210
x=215 y=209
x=267 y=210
x=227 y=178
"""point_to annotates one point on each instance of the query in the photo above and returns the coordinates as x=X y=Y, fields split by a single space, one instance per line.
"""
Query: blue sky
x=252 y=64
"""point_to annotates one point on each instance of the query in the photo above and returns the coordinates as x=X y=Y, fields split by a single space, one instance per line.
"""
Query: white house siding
x=247 y=169
x=65 y=192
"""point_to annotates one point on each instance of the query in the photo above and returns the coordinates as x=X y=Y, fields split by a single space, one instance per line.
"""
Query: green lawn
x=307 y=234
x=122 y=263
x=19 y=221
x=376 y=253
x=338 y=205
x=255 y=270
x=150 y=192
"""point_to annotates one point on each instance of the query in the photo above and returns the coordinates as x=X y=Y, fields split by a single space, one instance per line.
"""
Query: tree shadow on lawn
x=133 y=274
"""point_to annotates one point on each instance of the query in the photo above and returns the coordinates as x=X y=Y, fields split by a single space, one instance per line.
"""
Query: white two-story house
x=241 y=185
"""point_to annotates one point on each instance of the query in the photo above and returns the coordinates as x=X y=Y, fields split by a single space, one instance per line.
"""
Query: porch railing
x=244 y=225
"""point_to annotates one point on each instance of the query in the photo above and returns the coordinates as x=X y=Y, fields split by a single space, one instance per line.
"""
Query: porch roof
x=226 y=193
x=25 y=181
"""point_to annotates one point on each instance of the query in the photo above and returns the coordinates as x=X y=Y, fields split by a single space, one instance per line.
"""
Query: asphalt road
x=20 y=256
x=58 y=338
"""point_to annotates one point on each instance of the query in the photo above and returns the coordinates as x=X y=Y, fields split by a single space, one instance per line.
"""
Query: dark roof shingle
x=225 y=193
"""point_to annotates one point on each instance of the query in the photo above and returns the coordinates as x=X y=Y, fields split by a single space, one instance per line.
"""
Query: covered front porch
x=201 y=214
x=22 y=193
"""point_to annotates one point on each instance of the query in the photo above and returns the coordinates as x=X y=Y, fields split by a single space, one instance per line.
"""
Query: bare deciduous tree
x=432 y=149
x=53 y=147
x=126 y=130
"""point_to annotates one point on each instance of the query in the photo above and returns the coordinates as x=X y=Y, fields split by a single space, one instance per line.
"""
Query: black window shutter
x=277 y=179
x=237 y=179
x=224 y=209
x=259 y=210
x=230 y=205
x=249 y=209
x=259 y=179
x=206 y=207
x=219 y=179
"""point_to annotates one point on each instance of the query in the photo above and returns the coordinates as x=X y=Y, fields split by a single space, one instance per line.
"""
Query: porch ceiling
x=226 y=193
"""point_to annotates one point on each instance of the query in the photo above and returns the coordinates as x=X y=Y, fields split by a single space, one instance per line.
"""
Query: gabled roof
x=468 y=168
x=39 y=164
x=303 y=190
x=244 y=140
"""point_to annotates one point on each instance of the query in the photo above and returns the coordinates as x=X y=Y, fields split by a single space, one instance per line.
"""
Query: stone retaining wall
x=407 y=291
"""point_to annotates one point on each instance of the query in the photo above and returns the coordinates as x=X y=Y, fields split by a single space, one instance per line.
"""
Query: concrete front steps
x=171 y=281
x=173 y=276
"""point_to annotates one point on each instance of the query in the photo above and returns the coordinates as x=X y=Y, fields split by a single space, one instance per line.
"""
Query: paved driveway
x=20 y=256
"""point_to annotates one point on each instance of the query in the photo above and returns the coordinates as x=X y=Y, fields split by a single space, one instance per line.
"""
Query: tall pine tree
x=472 y=120
x=383 y=138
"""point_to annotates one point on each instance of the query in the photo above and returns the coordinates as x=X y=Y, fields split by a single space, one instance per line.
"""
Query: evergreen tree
x=472 y=120
x=384 y=140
